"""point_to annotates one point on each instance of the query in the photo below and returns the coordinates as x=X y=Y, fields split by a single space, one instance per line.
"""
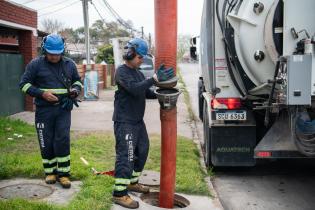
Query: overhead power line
x=99 y=14
x=28 y=1
x=57 y=10
x=118 y=17
x=53 y=5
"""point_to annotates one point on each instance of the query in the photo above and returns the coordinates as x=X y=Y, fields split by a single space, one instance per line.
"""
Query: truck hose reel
x=305 y=134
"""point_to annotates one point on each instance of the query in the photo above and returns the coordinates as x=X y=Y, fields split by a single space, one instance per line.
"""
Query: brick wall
x=12 y=12
x=28 y=48
x=103 y=72
x=17 y=14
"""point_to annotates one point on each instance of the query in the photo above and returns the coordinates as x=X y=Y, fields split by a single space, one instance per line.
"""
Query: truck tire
x=200 y=99
x=206 y=136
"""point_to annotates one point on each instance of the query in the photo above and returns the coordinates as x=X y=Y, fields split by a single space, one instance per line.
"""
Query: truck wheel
x=206 y=136
x=200 y=99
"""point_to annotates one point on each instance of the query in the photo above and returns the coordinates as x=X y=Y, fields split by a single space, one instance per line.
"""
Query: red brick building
x=18 y=46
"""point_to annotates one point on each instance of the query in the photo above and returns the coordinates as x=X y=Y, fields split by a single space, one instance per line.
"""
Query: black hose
x=226 y=52
x=218 y=15
x=304 y=141
x=267 y=115
x=231 y=72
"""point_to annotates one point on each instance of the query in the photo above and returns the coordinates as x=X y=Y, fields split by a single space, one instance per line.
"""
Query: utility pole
x=150 y=42
x=86 y=29
x=142 y=32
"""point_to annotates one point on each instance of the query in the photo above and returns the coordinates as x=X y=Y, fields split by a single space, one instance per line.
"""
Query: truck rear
x=257 y=83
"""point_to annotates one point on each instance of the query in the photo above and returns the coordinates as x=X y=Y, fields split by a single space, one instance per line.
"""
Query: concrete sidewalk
x=97 y=115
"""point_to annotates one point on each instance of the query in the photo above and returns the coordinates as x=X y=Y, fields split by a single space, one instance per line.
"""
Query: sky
x=140 y=12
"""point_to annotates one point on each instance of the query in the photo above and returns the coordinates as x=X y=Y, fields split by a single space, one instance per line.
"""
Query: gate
x=11 y=70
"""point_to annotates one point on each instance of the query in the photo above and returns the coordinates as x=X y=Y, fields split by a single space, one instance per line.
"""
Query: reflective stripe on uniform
x=135 y=179
x=136 y=173
x=122 y=181
x=63 y=159
x=78 y=83
x=57 y=91
x=63 y=169
x=26 y=87
x=50 y=161
x=50 y=170
x=120 y=188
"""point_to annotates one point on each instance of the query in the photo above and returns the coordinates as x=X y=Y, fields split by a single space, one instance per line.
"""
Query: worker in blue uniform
x=54 y=81
x=132 y=142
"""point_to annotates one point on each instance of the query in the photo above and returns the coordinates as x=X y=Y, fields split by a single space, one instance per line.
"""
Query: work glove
x=67 y=103
x=164 y=74
x=74 y=93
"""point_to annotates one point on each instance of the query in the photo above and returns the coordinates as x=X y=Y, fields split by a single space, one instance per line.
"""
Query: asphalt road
x=270 y=185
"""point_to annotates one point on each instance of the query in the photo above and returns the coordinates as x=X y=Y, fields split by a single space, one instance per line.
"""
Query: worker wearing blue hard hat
x=54 y=81
x=132 y=142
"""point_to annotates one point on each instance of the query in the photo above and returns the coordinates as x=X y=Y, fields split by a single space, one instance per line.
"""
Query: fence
x=105 y=74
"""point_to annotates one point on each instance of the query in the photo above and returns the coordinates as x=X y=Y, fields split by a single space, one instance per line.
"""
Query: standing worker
x=55 y=83
x=132 y=142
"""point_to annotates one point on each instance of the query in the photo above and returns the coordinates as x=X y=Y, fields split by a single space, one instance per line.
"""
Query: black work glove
x=74 y=93
x=67 y=103
x=164 y=74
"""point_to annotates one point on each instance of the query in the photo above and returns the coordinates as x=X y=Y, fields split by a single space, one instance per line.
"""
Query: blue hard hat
x=140 y=46
x=54 y=44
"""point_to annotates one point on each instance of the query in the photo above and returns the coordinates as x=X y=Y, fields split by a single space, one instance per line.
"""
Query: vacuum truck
x=257 y=83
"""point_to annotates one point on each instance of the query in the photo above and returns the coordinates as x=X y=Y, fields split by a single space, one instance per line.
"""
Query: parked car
x=147 y=67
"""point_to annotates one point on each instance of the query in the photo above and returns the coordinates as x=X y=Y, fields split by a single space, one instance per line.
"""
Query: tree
x=105 y=53
x=52 y=25
x=183 y=45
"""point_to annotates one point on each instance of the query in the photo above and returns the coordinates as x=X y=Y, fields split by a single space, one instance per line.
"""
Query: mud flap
x=233 y=145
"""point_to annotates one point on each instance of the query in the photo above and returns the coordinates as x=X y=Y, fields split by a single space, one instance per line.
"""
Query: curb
x=208 y=179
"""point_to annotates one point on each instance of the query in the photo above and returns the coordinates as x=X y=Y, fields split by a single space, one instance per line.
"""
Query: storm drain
x=153 y=200
x=26 y=191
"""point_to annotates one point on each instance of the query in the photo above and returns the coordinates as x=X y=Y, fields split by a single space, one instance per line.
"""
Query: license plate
x=237 y=115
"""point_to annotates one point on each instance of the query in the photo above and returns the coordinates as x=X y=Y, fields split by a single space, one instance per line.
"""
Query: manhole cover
x=150 y=178
x=152 y=199
x=27 y=191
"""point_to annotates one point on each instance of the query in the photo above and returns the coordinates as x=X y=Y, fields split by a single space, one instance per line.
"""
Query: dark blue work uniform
x=52 y=122
x=132 y=142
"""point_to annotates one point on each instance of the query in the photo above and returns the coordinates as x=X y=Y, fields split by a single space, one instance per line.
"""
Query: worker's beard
x=133 y=64
x=53 y=58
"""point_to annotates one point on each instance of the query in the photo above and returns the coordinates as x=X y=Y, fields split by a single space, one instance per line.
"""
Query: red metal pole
x=165 y=52
x=168 y=157
x=165 y=33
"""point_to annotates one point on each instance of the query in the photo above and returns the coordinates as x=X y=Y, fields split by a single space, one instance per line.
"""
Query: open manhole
x=26 y=191
x=152 y=198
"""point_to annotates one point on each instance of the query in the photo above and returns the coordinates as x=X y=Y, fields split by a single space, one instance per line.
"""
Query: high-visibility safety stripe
x=56 y=91
x=78 y=83
x=26 y=87
x=122 y=181
x=50 y=170
x=120 y=188
x=136 y=173
x=134 y=180
x=50 y=161
x=63 y=159
x=63 y=169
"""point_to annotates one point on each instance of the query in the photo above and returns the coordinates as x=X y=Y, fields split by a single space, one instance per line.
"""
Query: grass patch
x=191 y=114
x=20 y=157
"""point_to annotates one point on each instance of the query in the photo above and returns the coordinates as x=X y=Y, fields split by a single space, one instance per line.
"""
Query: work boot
x=65 y=182
x=51 y=179
x=138 y=188
x=126 y=202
